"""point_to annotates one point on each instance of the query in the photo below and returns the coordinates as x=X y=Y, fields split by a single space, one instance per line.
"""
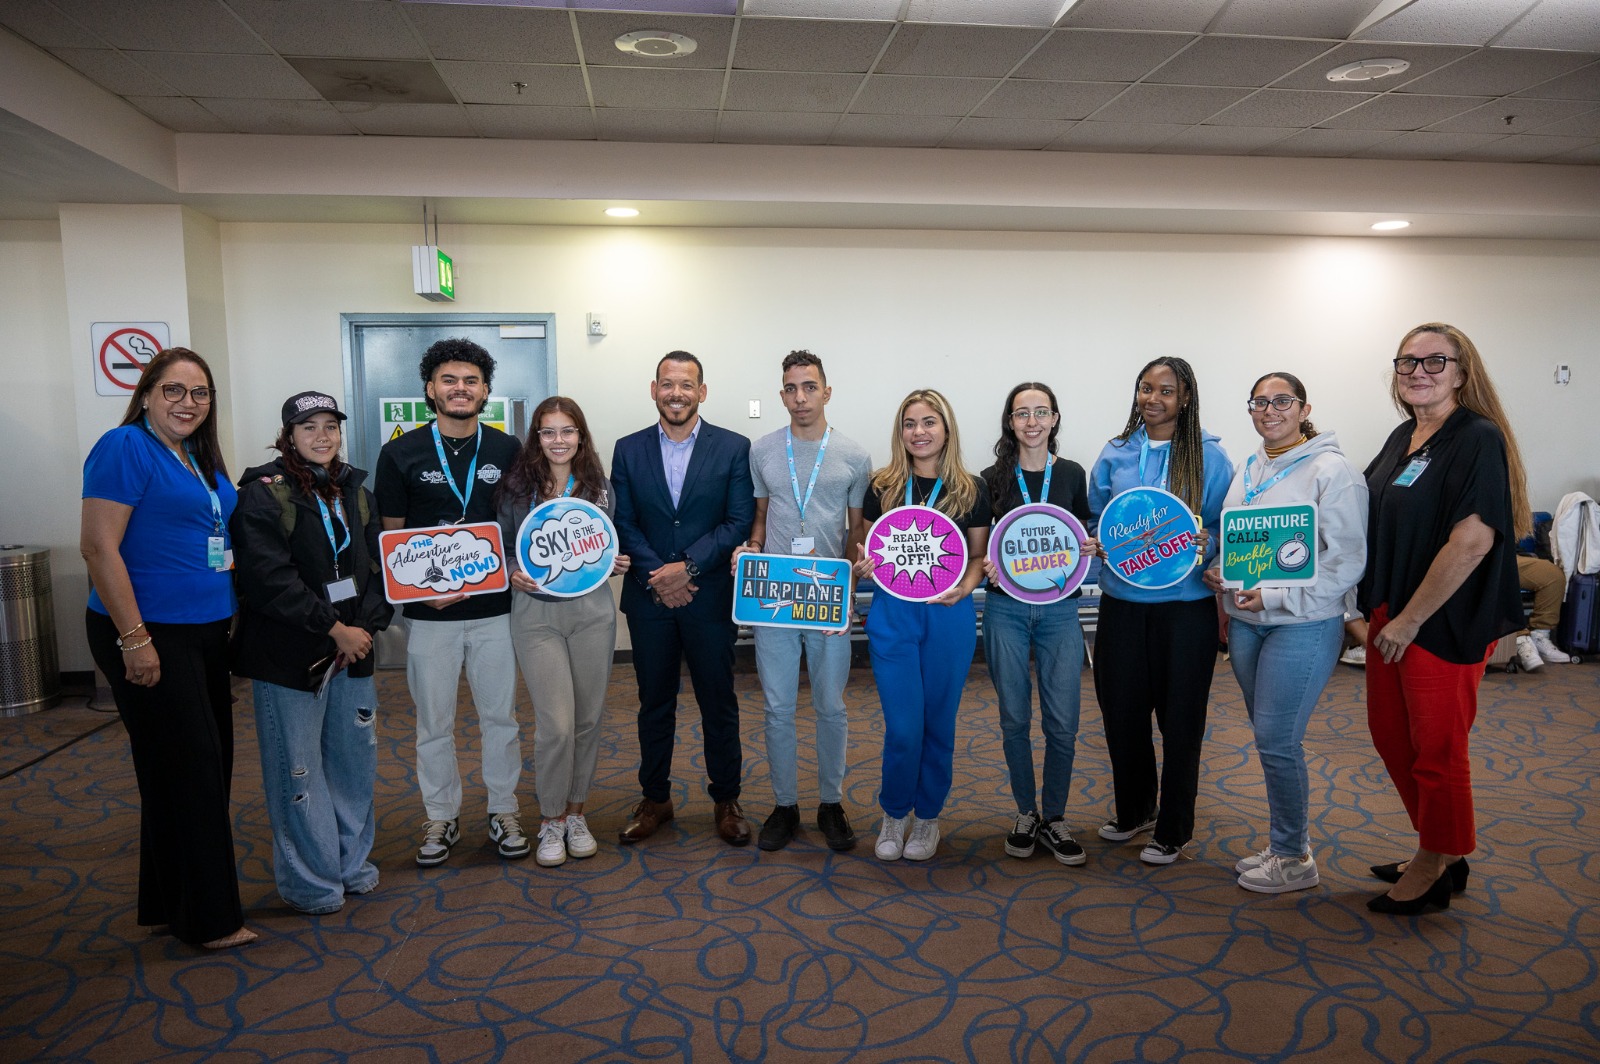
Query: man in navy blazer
x=684 y=500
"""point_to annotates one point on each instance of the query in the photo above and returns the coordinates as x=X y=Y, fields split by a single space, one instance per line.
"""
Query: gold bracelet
x=138 y=646
x=130 y=631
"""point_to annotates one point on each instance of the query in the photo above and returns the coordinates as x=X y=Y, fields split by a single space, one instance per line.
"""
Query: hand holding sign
x=916 y=553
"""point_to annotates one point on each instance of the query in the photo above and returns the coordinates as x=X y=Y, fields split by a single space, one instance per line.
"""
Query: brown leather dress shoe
x=647 y=817
x=731 y=824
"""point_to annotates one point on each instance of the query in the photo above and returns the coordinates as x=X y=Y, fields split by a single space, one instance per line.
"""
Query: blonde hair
x=960 y=490
x=1477 y=394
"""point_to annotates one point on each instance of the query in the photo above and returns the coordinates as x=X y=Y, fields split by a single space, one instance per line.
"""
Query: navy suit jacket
x=714 y=514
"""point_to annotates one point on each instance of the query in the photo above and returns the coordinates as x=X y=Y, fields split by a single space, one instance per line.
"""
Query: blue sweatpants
x=920 y=658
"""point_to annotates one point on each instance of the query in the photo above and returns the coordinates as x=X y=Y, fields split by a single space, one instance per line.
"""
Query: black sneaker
x=1024 y=834
x=780 y=827
x=1059 y=841
x=835 y=827
x=1113 y=831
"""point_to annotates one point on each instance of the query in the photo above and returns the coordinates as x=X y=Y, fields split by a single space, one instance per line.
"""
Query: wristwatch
x=691 y=568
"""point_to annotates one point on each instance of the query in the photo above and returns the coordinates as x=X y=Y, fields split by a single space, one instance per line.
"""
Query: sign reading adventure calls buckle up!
x=425 y=563
x=1269 y=546
x=917 y=553
x=1150 y=537
x=1038 y=552
x=792 y=591
x=567 y=546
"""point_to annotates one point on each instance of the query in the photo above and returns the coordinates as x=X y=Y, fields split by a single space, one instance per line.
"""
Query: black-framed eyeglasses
x=1432 y=364
x=1277 y=402
x=1038 y=413
x=174 y=393
x=565 y=432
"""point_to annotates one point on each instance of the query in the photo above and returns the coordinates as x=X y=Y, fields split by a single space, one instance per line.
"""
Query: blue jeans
x=319 y=762
x=1010 y=630
x=828 y=666
x=1282 y=669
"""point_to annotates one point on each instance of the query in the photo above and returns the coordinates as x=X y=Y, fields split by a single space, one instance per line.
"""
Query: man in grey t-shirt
x=811 y=505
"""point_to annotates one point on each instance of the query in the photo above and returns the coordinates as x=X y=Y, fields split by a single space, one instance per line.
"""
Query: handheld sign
x=567 y=546
x=426 y=563
x=1038 y=552
x=1150 y=537
x=792 y=591
x=1269 y=546
x=917 y=553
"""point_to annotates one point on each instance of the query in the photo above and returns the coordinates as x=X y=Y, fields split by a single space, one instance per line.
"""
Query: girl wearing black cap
x=306 y=541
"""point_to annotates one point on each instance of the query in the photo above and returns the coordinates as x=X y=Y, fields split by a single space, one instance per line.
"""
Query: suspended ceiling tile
x=711 y=36
x=114 y=72
x=798 y=44
x=669 y=89
x=766 y=127
x=304 y=117
x=548 y=86
x=1047 y=99
x=179 y=114
x=674 y=127
x=757 y=90
x=1403 y=112
x=1116 y=136
x=1274 y=18
x=1579 y=85
x=45 y=26
x=1583 y=125
x=1005 y=133
x=1287 y=107
x=958 y=51
x=231 y=77
x=1446 y=21
x=1525 y=148
x=892 y=131
x=1253 y=61
x=1498 y=71
x=1162 y=104
x=170 y=26
x=494 y=34
x=332 y=28
x=1040 y=13
x=1571 y=24
x=1327 y=143
x=1224 y=140
x=1525 y=115
x=408 y=119
x=1099 y=55
x=532 y=123
x=373 y=80
x=1579 y=156
x=883 y=10
x=1423 y=58
x=1190 y=15
x=890 y=94
x=1427 y=145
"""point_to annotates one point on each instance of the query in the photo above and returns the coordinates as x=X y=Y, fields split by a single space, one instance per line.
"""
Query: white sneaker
x=552 y=843
x=891 y=838
x=580 y=843
x=1356 y=655
x=924 y=840
x=505 y=831
x=1279 y=875
x=1255 y=860
x=1547 y=647
x=1528 y=655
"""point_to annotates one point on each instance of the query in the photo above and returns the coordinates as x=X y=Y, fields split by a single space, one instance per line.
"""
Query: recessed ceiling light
x=1368 y=70
x=622 y=212
x=1384 y=227
x=656 y=44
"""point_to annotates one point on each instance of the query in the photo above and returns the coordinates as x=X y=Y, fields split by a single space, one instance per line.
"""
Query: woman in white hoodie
x=1284 y=641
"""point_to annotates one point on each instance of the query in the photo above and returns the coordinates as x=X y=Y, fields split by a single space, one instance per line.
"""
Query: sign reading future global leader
x=1269 y=546
x=426 y=563
x=567 y=546
x=917 y=553
x=1150 y=537
x=1037 y=550
x=792 y=591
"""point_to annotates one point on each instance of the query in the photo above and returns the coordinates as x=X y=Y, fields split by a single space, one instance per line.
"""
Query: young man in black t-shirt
x=446 y=473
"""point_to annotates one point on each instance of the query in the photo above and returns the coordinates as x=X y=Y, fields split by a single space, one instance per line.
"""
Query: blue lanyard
x=188 y=459
x=568 y=490
x=794 y=478
x=933 y=496
x=472 y=470
x=1252 y=494
x=1144 y=456
x=1044 y=496
x=327 y=524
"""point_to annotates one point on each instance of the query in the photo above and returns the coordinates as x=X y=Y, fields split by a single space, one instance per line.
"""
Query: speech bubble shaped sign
x=917 y=553
x=1037 y=550
x=567 y=546
x=421 y=563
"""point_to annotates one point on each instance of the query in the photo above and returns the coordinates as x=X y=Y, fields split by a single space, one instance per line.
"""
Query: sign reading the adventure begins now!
x=1269 y=546
x=425 y=563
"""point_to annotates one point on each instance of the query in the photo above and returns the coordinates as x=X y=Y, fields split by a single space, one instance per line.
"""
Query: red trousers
x=1420 y=710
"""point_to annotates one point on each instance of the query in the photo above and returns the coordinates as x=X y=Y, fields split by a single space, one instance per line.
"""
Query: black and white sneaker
x=1024 y=834
x=1058 y=840
x=1160 y=853
x=1112 y=831
x=505 y=831
x=437 y=838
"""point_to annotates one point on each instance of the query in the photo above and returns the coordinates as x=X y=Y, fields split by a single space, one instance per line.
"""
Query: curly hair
x=455 y=349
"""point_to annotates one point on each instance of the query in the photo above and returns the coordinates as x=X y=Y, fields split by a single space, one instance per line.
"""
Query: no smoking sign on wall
x=121 y=351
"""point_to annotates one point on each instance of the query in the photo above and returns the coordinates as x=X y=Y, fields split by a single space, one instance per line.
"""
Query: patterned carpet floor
x=684 y=949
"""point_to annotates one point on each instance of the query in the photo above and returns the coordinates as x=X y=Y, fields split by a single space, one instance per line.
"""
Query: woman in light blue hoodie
x=1284 y=641
x=1155 y=650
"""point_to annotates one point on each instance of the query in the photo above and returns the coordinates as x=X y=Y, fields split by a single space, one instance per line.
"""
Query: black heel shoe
x=1438 y=895
x=1459 y=872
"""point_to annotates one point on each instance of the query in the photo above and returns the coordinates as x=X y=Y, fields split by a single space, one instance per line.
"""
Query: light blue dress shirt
x=675 y=458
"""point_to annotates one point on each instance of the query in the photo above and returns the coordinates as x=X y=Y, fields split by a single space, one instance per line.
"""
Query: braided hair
x=1186 y=463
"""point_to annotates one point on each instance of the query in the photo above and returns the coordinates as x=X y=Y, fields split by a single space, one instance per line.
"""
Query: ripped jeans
x=319 y=761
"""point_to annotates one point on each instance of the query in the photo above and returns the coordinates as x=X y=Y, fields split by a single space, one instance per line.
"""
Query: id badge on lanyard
x=1408 y=476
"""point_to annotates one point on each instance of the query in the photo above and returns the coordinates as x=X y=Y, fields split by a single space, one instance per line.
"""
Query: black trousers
x=181 y=734
x=1155 y=658
x=660 y=647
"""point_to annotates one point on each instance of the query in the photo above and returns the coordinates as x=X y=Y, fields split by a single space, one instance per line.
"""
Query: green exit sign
x=433 y=274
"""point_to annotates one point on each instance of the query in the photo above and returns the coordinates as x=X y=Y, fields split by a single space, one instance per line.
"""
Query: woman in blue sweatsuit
x=922 y=651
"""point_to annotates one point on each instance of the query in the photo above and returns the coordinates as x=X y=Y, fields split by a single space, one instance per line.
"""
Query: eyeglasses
x=174 y=393
x=1432 y=363
x=1277 y=402
x=1038 y=413
x=566 y=432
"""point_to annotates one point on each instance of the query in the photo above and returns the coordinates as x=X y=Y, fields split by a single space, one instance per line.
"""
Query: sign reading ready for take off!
x=1150 y=537
x=426 y=563
x=1038 y=552
x=917 y=553
x=1269 y=546
x=792 y=591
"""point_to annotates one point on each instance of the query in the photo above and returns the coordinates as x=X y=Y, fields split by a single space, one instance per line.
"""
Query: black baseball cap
x=302 y=405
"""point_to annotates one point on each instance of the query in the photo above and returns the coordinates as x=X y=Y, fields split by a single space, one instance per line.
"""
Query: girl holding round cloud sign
x=926 y=558
x=564 y=624
x=1284 y=641
x=1156 y=644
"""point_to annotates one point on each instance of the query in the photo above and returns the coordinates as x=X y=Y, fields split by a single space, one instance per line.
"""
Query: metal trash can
x=30 y=671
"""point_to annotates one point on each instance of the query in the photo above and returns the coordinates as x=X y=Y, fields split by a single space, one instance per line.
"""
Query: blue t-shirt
x=164 y=547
